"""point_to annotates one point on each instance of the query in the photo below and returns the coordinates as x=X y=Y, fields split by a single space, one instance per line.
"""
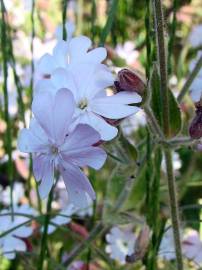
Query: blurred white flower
x=13 y=241
x=61 y=218
x=195 y=37
x=177 y=163
x=133 y=122
x=127 y=52
x=69 y=53
x=167 y=246
x=18 y=193
x=120 y=243
x=196 y=86
x=77 y=265
x=192 y=247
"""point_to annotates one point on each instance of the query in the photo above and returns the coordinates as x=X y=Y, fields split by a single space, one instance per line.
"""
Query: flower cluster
x=70 y=111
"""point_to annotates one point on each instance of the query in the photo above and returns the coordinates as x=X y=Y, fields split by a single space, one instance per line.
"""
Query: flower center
x=83 y=104
x=54 y=150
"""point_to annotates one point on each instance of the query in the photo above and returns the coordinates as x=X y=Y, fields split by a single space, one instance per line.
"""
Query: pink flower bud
x=195 y=129
x=128 y=80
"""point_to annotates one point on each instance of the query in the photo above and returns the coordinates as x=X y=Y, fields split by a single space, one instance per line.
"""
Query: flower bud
x=195 y=129
x=141 y=245
x=128 y=80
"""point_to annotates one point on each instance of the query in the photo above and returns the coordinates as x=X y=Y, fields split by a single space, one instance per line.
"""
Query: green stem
x=159 y=29
x=148 y=41
x=190 y=79
x=45 y=232
x=13 y=65
x=159 y=25
x=153 y=122
x=64 y=17
x=32 y=48
x=93 y=19
x=174 y=208
x=172 y=36
x=109 y=22
x=8 y=138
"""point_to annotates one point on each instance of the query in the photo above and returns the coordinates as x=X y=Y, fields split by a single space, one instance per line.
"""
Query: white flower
x=132 y=123
x=55 y=148
x=18 y=193
x=69 y=53
x=88 y=83
x=195 y=37
x=192 y=247
x=167 y=246
x=127 y=52
x=62 y=218
x=120 y=244
x=177 y=163
x=12 y=242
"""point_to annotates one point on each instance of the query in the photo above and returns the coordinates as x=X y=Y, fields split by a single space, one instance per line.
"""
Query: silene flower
x=69 y=53
x=88 y=84
x=55 y=148
x=120 y=244
x=13 y=241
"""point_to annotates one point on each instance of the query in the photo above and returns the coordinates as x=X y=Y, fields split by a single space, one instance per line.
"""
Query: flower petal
x=82 y=136
x=120 y=98
x=60 y=53
x=106 y=131
x=29 y=143
x=78 y=47
x=46 y=65
x=54 y=113
x=113 y=111
x=87 y=156
x=77 y=184
x=47 y=179
x=96 y=55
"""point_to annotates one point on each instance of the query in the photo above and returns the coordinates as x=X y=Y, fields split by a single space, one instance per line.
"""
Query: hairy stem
x=174 y=208
x=159 y=24
x=159 y=29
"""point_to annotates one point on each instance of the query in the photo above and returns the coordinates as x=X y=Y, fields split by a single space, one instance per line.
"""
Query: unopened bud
x=128 y=80
x=141 y=245
x=195 y=129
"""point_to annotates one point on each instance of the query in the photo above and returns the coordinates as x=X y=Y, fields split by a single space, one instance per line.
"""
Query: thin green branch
x=45 y=232
x=8 y=137
x=64 y=18
x=108 y=26
x=159 y=30
x=174 y=208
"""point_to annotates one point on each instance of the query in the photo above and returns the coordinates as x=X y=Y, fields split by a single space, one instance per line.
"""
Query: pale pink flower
x=87 y=83
x=55 y=148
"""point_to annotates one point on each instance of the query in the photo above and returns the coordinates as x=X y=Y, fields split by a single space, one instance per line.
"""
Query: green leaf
x=157 y=104
x=128 y=148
